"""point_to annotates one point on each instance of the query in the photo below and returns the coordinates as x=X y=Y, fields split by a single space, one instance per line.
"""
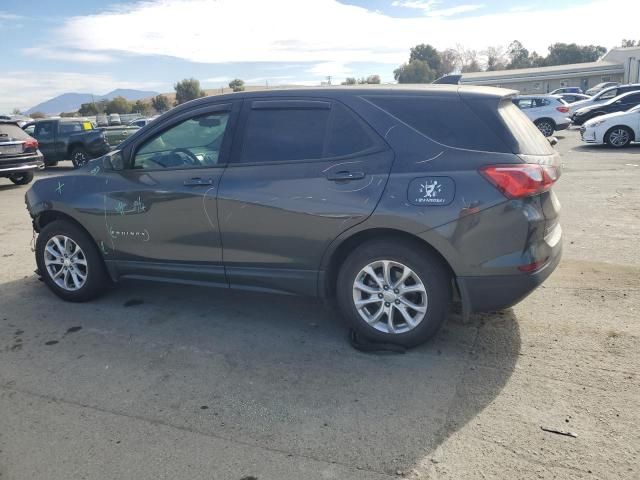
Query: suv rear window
x=530 y=140
x=307 y=130
x=446 y=120
x=10 y=132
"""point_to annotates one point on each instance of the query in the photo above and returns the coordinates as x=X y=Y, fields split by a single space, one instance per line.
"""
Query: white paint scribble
x=430 y=159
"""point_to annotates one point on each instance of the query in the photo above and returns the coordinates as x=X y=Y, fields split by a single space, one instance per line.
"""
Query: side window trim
x=233 y=107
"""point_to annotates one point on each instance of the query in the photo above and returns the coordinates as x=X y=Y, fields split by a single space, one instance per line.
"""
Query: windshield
x=634 y=109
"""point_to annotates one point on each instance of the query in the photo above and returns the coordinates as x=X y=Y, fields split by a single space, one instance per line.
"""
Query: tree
x=449 y=62
x=236 y=85
x=495 y=59
x=427 y=54
x=118 y=105
x=16 y=111
x=416 y=71
x=518 y=56
x=630 y=43
x=188 y=89
x=88 y=109
x=373 y=79
x=143 y=108
x=160 y=103
x=566 y=53
x=349 y=81
x=68 y=114
x=468 y=60
x=36 y=115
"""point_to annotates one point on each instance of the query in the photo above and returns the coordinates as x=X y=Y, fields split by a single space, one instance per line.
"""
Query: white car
x=617 y=129
x=547 y=112
x=603 y=96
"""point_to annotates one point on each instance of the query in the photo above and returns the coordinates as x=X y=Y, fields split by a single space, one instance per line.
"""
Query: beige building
x=618 y=65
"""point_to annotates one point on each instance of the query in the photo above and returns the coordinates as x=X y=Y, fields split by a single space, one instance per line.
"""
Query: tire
x=429 y=274
x=618 y=137
x=96 y=278
x=21 y=178
x=546 y=127
x=79 y=157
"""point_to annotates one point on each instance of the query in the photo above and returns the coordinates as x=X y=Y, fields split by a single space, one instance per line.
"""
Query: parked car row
x=613 y=118
x=77 y=139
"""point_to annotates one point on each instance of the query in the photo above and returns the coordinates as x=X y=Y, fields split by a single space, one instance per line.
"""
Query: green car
x=117 y=134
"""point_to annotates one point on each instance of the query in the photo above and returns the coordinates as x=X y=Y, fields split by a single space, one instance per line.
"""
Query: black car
x=19 y=154
x=389 y=200
x=621 y=103
x=68 y=138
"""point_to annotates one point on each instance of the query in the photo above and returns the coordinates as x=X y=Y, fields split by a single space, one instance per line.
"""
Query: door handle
x=197 y=181
x=344 y=176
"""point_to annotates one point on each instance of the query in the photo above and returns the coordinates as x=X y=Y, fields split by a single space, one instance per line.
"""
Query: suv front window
x=193 y=143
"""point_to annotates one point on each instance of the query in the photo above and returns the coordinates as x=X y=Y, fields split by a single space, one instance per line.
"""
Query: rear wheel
x=394 y=292
x=69 y=262
x=618 y=137
x=21 y=178
x=79 y=157
x=546 y=127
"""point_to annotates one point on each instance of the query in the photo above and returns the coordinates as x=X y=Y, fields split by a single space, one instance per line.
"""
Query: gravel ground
x=198 y=383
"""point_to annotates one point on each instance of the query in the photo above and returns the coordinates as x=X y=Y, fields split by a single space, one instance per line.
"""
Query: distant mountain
x=70 y=102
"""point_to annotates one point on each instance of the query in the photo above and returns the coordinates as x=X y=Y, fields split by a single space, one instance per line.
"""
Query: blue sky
x=51 y=47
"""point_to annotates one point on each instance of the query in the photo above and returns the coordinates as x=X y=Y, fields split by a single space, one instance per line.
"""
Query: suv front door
x=304 y=171
x=160 y=212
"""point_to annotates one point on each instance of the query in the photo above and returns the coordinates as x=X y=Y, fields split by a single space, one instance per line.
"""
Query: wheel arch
x=73 y=146
x=339 y=253
x=49 y=216
x=626 y=127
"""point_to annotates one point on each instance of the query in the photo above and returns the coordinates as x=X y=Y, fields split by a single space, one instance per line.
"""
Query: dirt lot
x=167 y=382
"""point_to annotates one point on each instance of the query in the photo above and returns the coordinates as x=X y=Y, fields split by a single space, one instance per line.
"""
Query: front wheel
x=69 y=262
x=79 y=157
x=394 y=292
x=618 y=137
x=21 y=178
x=546 y=127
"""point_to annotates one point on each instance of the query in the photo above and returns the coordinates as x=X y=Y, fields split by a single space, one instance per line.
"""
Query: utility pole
x=328 y=79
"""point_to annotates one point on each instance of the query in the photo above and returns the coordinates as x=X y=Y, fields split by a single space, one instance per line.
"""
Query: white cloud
x=65 y=54
x=24 y=89
x=329 y=32
x=449 y=12
x=429 y=7
x=217 y=80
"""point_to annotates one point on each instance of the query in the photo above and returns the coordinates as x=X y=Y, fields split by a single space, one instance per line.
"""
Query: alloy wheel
x=66 y=263
x=390 y=297
x=80 y=159
x=619 y=137
x=546 y=128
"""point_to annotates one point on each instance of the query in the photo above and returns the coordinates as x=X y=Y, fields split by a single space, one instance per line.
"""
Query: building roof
x=544 y=73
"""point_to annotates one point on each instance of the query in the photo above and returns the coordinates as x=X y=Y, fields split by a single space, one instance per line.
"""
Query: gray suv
x=393 y=201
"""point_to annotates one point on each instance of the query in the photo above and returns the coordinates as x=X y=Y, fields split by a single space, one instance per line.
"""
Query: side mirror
x=113 y=161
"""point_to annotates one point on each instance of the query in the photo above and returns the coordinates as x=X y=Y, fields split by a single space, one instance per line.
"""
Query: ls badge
x=431 y=191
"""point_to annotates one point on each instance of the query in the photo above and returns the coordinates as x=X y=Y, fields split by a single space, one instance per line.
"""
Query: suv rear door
x=303 y=171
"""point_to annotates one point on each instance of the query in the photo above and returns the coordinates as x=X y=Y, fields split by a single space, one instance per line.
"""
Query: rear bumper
x=563 y=126
x=497 y=292
x=18 y=165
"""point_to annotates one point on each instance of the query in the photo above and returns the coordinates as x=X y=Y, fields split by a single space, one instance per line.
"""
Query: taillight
x=521 y=180
x=31 y=144
x=563 y=109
